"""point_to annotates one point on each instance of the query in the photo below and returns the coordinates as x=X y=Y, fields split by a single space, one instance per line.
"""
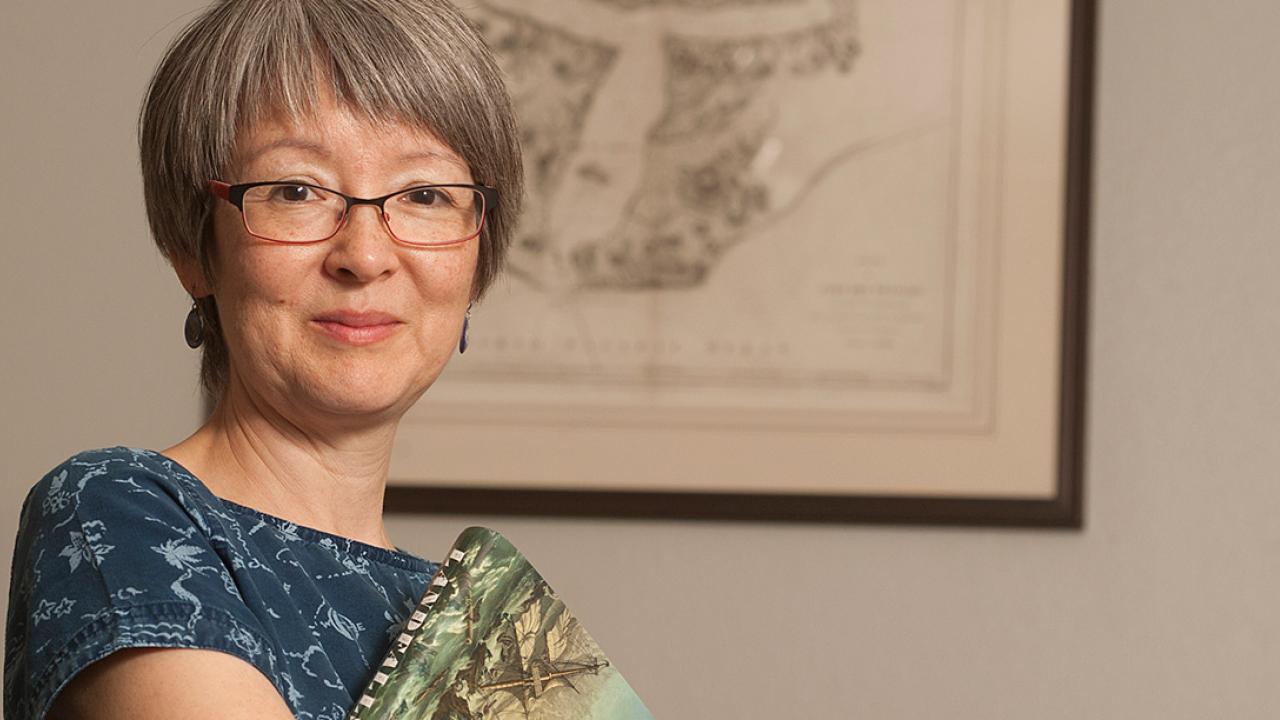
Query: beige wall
x=1164 y=607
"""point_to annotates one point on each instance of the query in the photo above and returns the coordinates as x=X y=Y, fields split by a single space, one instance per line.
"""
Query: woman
x=246 y=572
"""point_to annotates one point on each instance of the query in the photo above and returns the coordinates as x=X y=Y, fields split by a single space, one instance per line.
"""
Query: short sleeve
x=112 y=553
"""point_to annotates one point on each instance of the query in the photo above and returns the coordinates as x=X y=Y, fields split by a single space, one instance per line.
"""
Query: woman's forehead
x=329 y=131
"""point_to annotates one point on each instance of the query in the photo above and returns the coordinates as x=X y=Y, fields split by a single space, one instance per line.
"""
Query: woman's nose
x=363 y=249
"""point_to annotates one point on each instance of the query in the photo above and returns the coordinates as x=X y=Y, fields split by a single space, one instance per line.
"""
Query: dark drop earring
x=466 y=324
x=194 y=327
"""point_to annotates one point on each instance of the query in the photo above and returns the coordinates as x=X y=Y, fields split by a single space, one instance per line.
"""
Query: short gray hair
x=414 y=61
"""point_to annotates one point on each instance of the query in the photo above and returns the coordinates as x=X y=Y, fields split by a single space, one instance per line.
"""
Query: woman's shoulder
x=113 y=480
x=108 y=464
x=115 y=550
x=114 y=460
x=140 y=493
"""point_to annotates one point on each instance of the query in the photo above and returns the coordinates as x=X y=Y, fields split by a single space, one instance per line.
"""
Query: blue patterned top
x=122 y=548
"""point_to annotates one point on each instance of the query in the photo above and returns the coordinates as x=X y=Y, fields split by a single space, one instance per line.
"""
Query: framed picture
x=804 y=260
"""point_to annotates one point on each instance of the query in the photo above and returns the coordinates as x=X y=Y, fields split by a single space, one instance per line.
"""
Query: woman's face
x=356 y=325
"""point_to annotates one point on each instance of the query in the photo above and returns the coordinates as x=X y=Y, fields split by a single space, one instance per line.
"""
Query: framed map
x=781 y=259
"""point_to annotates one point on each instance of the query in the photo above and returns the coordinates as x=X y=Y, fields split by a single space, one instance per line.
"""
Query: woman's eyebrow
x=317 y=149
x=290 y=142
x=432 y=156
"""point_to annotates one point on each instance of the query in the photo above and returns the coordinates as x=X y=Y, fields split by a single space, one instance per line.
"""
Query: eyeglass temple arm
x=220 y=189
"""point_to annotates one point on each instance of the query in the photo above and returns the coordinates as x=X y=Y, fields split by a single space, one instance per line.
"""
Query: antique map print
x=779 y=209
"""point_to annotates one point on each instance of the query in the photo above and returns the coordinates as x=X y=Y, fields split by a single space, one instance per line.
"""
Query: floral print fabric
x=122 y=548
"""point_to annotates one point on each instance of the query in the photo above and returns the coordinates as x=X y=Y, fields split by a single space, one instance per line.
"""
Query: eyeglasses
x=299 y=213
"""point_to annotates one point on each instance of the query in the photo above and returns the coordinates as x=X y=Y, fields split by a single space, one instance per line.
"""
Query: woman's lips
x=357 y=328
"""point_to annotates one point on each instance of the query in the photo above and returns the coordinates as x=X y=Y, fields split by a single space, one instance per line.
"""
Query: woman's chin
x=350 y=387
x=355 y=396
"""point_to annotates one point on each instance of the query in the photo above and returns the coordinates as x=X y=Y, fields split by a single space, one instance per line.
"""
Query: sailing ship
x=541 y=651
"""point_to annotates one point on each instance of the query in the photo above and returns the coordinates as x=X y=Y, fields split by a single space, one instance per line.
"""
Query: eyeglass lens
x=422 y=216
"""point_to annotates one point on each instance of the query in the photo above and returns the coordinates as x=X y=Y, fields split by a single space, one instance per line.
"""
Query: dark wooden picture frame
x=1063 y=509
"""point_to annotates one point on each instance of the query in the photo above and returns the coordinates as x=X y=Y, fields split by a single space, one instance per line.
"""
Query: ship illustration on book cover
x=490 y=640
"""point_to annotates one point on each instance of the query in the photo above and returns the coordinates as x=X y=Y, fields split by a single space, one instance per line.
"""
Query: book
x=490 y=639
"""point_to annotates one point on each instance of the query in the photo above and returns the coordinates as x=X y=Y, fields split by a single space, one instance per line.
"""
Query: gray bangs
x=418 y=62
x=389 y=61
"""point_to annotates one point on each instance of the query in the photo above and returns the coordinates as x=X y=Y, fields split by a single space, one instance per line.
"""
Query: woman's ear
x=191 y=275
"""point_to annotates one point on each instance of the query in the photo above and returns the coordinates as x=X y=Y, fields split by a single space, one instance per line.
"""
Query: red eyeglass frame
x=234 y=194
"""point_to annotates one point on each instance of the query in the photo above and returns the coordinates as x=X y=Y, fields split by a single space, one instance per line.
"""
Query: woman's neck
x=327 y=478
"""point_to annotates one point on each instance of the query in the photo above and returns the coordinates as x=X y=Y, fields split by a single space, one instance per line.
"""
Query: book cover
x=490 y=639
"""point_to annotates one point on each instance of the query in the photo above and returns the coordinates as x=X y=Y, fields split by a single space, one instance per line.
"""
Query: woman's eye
x=292 y=193
x=427 y=197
